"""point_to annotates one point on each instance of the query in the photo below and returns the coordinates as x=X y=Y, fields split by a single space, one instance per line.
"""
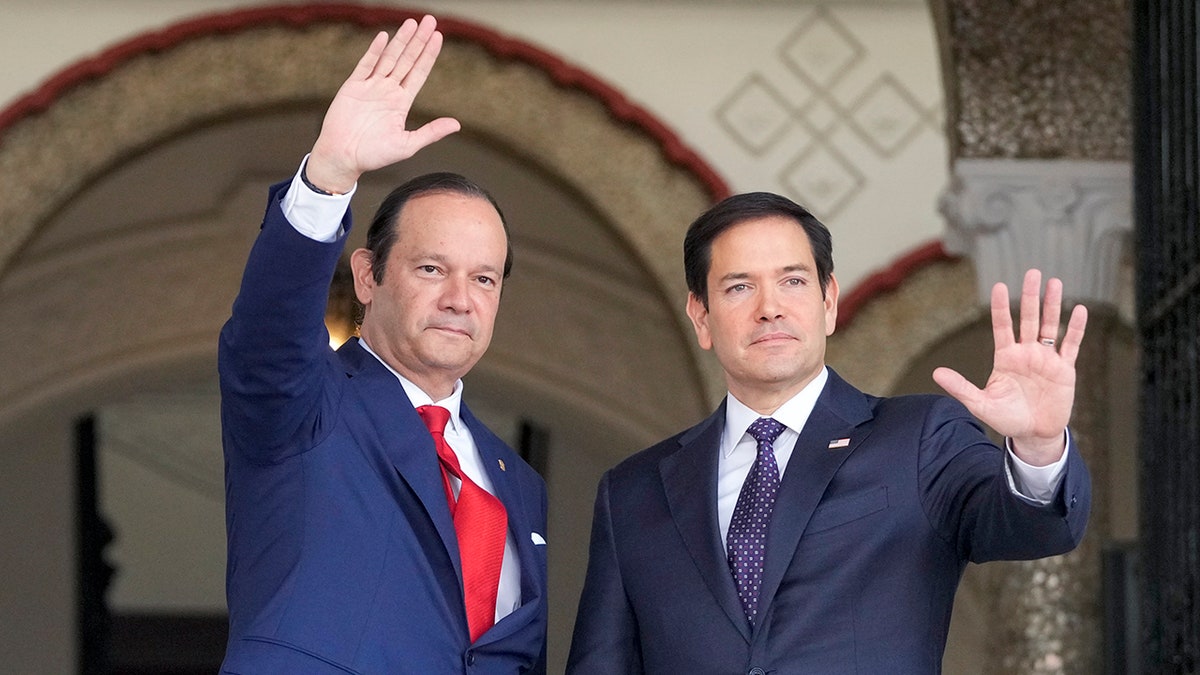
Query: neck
x=765 y=400
x=437 y=390
x=435 y=384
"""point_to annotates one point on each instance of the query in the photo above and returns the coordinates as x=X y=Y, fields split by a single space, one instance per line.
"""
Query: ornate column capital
x=1069 y=218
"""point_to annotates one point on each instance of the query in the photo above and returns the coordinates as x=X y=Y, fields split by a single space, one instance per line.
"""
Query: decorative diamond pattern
x=806 y=117
x=823 y=181
x=756 y=115
x=821 y=50
x=822 y=116
x=887 y=116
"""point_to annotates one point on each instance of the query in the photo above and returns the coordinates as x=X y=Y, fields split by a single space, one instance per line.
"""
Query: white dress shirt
x=319 y=217
x=739 y=449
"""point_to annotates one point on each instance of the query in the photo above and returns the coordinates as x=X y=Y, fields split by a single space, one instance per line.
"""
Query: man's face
x=431 y=318
x=766 y=319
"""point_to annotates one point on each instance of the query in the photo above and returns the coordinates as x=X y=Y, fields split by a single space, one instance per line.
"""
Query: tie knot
x=435 y=417
x=765 y=430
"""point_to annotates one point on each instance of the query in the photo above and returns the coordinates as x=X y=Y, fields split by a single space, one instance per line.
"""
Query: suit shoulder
x=646 y=461
x=918 y=406
x=527 y=472
x=511 y=461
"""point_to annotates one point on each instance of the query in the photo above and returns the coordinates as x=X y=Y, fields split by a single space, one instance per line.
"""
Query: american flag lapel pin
x=839 y=443
x=502 y=465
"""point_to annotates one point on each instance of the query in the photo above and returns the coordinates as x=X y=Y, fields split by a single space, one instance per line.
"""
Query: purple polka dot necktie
x=747 y=538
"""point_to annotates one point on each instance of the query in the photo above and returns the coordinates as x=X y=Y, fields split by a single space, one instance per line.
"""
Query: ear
x=698 y=313
x=360 y=270
x=831 y=299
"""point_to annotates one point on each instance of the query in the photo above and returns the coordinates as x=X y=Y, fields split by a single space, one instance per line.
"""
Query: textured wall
x=1037 y=79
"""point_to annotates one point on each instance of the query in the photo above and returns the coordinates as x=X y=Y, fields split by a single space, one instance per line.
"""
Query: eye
x=486 y=280
x=795 y=281
x=429 y=269
x=737 y=288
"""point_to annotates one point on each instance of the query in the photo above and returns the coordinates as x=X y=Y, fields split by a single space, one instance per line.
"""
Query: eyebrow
x=439 y=258
x=738 y=276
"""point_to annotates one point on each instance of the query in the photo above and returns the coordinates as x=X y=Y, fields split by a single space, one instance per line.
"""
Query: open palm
x=1031 y=390
x=365 y=127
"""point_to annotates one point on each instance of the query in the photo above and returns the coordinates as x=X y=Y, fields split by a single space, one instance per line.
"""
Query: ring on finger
x=1048 y=341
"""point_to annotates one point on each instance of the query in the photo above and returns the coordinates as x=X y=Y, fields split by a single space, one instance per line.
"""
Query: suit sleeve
x=274 y=348
x=967 y=498
x=606 y=634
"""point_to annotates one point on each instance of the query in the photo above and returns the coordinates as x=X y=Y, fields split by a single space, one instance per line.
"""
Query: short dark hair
x=382 y=234
x=697 y=244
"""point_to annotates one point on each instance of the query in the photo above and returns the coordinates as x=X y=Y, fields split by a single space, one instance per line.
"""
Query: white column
x=1073 y=220
x=1069 y=218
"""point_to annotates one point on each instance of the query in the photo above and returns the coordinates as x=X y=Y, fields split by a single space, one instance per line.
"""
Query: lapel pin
x=839 y=443
x=502 y=465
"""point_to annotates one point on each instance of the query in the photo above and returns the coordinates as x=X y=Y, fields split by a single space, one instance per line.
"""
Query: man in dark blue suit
x=375 y=525
x=806 y=527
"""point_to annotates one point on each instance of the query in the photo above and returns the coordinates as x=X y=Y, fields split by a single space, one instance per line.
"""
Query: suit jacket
x=342 y=552
x=866 y=545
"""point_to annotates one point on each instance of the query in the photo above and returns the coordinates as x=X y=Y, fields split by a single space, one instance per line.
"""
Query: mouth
x=452 y=330
x=771 y=338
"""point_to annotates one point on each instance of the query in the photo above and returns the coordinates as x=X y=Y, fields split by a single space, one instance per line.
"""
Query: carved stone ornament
x=1069 y=218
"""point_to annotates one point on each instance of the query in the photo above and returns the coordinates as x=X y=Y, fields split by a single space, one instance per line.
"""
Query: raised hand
x=365 y=126
x=1029 y=395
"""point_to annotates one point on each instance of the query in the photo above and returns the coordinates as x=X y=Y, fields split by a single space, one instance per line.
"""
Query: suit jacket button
x=470 y=659
x=756 y=671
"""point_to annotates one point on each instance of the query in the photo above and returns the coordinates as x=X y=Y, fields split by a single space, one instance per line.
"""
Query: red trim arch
x=504 y=47
x=560 y=72
x=889 y=279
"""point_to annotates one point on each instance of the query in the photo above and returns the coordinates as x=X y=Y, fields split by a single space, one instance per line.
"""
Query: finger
x=413 y=48
x=432 y=132
x=1074 y=337
x=415 y=79
x=1031 y=293
x=366 y=64
x=1002 y=329
x=1051 y=309
x=957 y=386
x=395 y=48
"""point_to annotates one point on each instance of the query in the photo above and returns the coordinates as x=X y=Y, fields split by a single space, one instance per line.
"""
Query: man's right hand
x=364 y=128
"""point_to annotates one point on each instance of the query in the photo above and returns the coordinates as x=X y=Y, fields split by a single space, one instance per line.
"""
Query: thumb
x=957 y=386
x=432 y=132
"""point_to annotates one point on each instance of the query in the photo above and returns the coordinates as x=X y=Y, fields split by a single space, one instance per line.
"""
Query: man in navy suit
x=375 y=525
x=807 y=527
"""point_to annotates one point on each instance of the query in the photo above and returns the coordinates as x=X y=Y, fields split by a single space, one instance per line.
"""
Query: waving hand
x=1029 y=395
x=365 y=126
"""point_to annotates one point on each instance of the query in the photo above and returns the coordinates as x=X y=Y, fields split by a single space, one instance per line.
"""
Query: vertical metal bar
x=1167 y=196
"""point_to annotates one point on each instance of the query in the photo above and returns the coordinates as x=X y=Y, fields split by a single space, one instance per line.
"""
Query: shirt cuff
x=1035 y=483
x=314 y=215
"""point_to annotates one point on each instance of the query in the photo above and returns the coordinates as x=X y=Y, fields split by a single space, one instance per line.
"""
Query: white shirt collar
x=793 y=414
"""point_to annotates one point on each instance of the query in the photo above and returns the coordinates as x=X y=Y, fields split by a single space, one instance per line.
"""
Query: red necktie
x=481 y=524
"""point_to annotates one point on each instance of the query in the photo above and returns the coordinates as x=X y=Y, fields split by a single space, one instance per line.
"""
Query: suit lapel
x=405 y=440
x=689 y=478
x=493 y=451
x=841 y=412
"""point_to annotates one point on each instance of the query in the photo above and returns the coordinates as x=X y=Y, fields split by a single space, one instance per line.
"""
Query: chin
x=781 y=376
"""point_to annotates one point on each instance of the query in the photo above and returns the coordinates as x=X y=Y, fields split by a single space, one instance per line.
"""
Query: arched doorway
x=138 y=187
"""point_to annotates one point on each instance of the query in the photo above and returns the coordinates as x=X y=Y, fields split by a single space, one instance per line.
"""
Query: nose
x=455 y=296
x=769 y=308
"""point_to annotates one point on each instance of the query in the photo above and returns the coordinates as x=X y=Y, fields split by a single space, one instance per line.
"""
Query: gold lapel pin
x=502 y=465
